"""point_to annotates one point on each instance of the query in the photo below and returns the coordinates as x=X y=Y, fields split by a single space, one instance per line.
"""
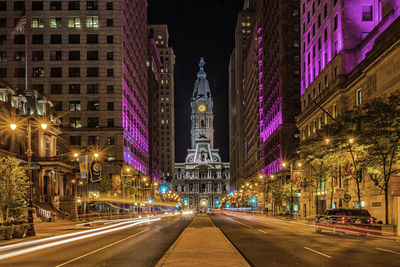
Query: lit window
x=74 y=22
x=248 y=24
x=243 y=24
x=37 y=23
x=159 y=37
x=162 y=121
x=358 y=97
x=92 y=22
x=55 y=22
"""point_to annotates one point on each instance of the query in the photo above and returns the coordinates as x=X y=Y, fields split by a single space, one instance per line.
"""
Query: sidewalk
x=47 y=229
x=202 y=244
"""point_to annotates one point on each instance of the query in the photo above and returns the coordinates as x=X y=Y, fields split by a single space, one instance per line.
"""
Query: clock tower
x=202 y=116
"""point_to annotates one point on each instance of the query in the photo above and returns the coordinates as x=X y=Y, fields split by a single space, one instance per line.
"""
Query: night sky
x=201 y=28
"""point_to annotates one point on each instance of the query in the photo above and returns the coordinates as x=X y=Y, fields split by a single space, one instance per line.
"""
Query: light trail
x=47 y=239
x=62 y=242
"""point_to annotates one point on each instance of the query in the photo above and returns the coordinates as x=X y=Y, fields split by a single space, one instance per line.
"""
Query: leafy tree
x=380 y=132
x=14 y=186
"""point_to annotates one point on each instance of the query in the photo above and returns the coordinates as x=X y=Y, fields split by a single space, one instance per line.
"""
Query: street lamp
x=13 y=126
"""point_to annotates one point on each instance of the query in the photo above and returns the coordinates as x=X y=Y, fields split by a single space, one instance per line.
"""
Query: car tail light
x=343 y=219
x=371 y=220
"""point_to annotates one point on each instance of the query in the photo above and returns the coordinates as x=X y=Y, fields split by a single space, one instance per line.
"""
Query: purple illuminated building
x=278 y=80
x=336 y=36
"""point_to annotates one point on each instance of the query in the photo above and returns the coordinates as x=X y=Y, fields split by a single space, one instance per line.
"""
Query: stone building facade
x=203 y=179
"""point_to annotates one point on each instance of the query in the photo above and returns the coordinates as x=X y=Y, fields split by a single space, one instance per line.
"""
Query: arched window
x=202 y=123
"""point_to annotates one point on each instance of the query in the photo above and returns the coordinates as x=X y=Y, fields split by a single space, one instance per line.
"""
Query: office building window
x=37 y=39
x=56 y=89
x=37 y=55
x=93 y=88
x=55 y=55
x=110 y=39
x=37 y=72
x=3 y=39
x=3 y=72
x=75 y=140
x=73 y=5
x=92 y=55
x=93 y=72
x=93 y=122
x=92 y=5
x=3 y=22
x=74 y=72
x=93 y=105
x=37 y=5
x=56 y=39
x=20 y=73
x=110 y=55
x=110 y=72
x=37 y=23
x=92 y=39
x=110 y=22
x=110 y=105
x=93 y=140
x=74 y=105
x=19 y=39
x=74 y=89
x=3 y=5
x=74 y=55
x=19 y=55
x=92 y=22
x=55 y=5
x=111 y=140
x=3 y=56
x=55 y=23
x=19 y=5
x=75 y=122
x=110 y=123
x=74 y=38
x=110 y=89
x=111 y=157
x=109 y=6
x=74 y=22
x=58 y=105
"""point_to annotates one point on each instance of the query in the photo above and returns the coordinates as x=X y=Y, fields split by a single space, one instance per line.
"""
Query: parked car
x=341 y=216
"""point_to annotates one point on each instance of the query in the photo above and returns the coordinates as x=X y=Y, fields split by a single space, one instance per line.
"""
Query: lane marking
x=99 y=249
x=262 y=231
x=390 y=251
x=320 y=253
x=241 y=223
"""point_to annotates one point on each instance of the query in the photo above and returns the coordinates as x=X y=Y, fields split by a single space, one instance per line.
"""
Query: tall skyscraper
x=243 y=29
x=279 y=78
x=89 y=58
x=166 y=111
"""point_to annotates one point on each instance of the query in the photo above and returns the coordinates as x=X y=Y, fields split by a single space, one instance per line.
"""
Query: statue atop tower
x=202 y=108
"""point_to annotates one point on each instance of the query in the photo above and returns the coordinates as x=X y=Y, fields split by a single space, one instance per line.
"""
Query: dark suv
x=337 y=217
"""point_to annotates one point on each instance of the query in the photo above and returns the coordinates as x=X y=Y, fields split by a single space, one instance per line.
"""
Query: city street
x=273 y=242
x=133 y=245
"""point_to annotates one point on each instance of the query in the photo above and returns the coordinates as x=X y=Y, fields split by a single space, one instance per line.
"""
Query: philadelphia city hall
x=203 y=179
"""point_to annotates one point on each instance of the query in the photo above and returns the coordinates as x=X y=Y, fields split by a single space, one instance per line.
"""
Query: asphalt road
x=139 y=245
x=272 y=242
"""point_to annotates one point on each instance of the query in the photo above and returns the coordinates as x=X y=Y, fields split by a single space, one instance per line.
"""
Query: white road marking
x=241 y=223
x=390 y=251
x=262 y=231
x=320 y=253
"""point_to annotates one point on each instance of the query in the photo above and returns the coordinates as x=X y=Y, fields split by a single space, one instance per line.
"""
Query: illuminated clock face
x=202 y=108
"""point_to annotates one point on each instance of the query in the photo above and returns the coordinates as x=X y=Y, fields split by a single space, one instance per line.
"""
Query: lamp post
x=14 y=126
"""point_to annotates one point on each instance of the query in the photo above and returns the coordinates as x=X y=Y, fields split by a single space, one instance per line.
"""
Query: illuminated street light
x=13 y=126
x=96 y=155
x=327 y=140
x=351 y=140
x=283 y=164
x=128 y=169
x=76 y=155
x=44 y=126
x=299 y=164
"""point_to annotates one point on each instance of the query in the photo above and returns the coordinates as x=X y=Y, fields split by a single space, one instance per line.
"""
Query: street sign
x=346 y=197
x=31 y=167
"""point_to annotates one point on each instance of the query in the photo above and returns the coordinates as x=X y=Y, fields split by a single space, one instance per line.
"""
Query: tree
x=14 y=186
x=380 y=131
